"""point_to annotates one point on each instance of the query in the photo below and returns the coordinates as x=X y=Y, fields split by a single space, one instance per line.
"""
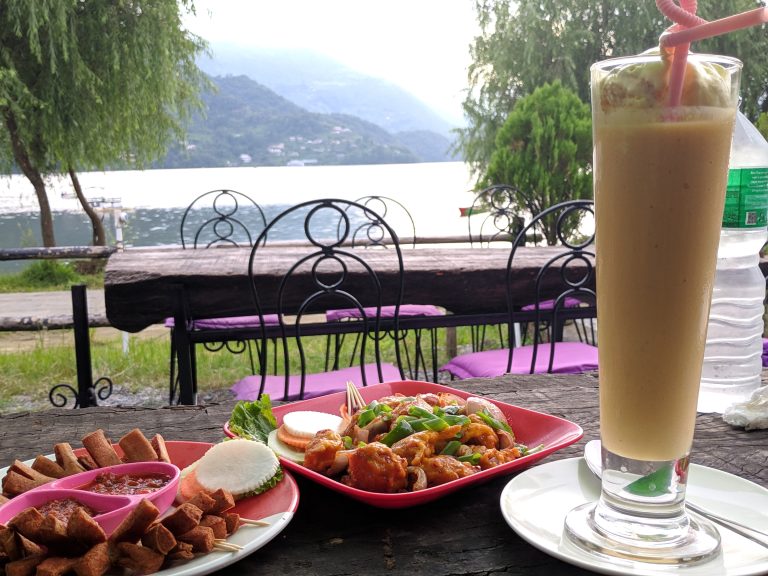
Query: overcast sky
x=420 y=45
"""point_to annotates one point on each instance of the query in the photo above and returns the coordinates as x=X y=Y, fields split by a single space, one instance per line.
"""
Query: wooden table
x=330 y=534
x=139 y=285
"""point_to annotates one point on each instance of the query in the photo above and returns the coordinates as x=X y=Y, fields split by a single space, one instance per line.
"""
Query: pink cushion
x=230 y=322
x=570 y=358
x=568 y=302
x=315 y=384
x=765 y=351
x=386 y=312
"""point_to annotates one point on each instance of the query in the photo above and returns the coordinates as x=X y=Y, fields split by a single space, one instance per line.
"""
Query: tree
x=526 y=43
x=545 y=149
x=85 y=84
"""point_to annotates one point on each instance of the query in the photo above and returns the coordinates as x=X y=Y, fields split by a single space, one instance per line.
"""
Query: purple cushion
x=570 y=358
x=568 y=302
x=315 y=384
x=230 y=322
x=386 y=312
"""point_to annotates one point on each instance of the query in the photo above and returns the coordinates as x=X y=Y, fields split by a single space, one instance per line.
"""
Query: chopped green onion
x=524 y=450
x=452 y=420
x=493 y=423
x=347 y=440
x=384 y=408
x=420 y=412
x=399 y=431
x=473 y=459
x=451 y=447
x=452 y=409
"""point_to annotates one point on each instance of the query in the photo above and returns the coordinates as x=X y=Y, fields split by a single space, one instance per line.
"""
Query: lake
x=152 y=201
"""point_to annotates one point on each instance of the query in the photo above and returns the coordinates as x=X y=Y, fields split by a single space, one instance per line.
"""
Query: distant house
x=276 y=149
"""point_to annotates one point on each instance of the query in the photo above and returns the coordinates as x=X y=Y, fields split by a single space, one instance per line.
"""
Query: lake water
x=153 y=200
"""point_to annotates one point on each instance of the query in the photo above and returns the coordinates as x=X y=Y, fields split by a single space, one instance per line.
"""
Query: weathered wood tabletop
x=139 y=284
x=463 y=533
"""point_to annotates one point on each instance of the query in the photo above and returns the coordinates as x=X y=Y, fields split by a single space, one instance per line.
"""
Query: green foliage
x=526 y=43
x=544 y=149
x=87 y=83
x=762 y=124
x=46 y=273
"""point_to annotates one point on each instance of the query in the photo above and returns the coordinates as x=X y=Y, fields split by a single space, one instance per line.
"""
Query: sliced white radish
x=306 y=423
x=283 y=450
x=238 y=466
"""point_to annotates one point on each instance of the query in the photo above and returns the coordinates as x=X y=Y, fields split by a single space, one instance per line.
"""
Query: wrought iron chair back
x=495 y=216
x=368 y=232
x=329 y=257
x=574 y=266
x=221 y=217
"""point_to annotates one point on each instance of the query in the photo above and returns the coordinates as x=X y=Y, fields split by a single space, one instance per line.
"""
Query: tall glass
x=659 y=179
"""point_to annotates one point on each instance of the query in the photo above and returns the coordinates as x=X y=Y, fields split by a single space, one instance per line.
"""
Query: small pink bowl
x=112 y=509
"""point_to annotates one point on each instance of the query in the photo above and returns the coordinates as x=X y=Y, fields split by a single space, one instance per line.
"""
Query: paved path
x=35 y=310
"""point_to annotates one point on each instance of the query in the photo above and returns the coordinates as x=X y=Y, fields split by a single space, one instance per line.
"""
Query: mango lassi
x=660 y=179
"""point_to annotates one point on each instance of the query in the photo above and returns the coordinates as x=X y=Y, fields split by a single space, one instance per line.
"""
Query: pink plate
x=530 y=427
x=279 y=504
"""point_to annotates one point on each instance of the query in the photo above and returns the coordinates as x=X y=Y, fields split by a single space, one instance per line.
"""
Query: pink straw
x=716 y=28
x=684 y=16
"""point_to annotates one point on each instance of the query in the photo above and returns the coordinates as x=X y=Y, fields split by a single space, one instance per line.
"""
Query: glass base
x=693 y=540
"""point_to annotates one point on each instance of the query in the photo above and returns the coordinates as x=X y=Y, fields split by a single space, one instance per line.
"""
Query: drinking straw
x=684 y=16
x=715 y=28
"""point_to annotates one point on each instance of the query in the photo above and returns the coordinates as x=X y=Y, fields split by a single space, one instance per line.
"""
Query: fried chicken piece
x=492 y=457
x=442 y=469
x=482 y=434
x=423 y=444
x=376 y=468
x=320 y=453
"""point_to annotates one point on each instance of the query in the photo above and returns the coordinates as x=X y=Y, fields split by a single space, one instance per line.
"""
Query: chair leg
x=172 y=370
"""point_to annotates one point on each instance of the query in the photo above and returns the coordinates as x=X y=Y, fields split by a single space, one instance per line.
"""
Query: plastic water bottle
x=733 y=355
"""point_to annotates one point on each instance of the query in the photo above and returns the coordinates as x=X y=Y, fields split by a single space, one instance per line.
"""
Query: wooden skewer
x=254 y=522
x=354 y=398
x=221 y=544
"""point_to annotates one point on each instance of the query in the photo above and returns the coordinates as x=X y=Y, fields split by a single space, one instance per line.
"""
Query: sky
x=420 y=45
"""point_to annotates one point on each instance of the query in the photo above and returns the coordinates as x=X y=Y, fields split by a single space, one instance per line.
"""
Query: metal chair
x=369 y=233
x=574 y=267
x=218 y=219
x=494 y=217
x=329 y=259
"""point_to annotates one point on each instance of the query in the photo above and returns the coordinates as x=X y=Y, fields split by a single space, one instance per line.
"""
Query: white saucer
x=535 y=503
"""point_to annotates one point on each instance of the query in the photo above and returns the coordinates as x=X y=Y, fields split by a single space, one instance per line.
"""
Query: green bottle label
x=746 y=198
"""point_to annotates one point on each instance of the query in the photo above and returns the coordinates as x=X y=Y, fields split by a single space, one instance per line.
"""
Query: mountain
x=248 y=124
x=321 y=84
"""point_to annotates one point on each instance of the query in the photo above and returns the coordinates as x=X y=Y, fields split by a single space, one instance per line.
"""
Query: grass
x=26 y=376
x=28 y=372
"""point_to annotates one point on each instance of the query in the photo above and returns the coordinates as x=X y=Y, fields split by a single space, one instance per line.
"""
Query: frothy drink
x=659 y=190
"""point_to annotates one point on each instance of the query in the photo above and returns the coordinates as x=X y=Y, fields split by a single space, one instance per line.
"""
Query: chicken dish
x=407 y=443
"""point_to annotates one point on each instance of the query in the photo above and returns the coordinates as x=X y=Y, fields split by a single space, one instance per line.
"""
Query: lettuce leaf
x=253 y=420
x=268 y=485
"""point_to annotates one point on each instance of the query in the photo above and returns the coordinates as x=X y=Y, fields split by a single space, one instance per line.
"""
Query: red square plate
x=531 y=428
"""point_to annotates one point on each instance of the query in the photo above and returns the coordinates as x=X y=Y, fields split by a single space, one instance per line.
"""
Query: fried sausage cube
x=201 y=538
x=232 y=520
x=158 y=443
x=15 y=483
x=100 y=448
x=55 y=566
x=84 y=529
x=23 y=567
x=48 y=467
x=136 y=523
x=139 y=559
x=183 y=519
x=203 y=501
x=9 y=543
x=182 y=551
x=224 y=501
x=28 y=523
x=95 y=562
x=215 y=523
x=65 y=457
x=159 y=539
x=136 y=447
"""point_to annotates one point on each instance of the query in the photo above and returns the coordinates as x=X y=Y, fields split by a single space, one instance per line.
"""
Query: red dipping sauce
x=126 y=484
x=64 y=508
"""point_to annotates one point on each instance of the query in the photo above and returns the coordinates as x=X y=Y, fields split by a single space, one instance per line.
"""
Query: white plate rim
x=579 y=481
